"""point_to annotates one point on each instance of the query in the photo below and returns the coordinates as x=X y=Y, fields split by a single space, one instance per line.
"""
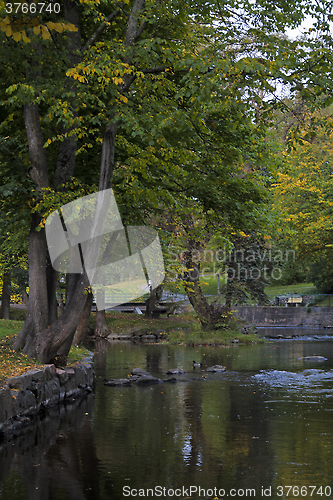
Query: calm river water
x=263 y=429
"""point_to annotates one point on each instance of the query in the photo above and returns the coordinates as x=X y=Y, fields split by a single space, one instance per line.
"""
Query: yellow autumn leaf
x=123 y=98
x=36 y=29
x=118 y=81
x=45 y=33
x=68 y=26
x=59 y=27
x=17 y=36
x=25 y=38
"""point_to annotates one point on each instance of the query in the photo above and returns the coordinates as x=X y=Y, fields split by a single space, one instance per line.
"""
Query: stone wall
x=23 y=397
x=307 y=317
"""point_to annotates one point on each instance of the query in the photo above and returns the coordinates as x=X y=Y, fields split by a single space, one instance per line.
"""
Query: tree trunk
x=34 y=338
x=211 y=316
x=229 y=290
x=52 y=341
x=60 y=300
x=51 y=280
x=37 y=313
x=150 y=303
x=5 y=297
x=83 y=321
x=101 y=327
x=25 y=298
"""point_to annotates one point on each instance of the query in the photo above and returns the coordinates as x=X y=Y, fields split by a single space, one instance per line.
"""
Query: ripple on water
x=310 y=382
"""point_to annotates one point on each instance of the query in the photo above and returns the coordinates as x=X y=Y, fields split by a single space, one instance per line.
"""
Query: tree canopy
x=165 y=102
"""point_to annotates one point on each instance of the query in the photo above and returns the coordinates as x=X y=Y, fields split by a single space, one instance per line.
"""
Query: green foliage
x=303 y=198
x=321 y=272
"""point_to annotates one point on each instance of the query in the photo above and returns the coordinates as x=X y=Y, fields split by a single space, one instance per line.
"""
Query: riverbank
x=28 y=388
x=24 y=396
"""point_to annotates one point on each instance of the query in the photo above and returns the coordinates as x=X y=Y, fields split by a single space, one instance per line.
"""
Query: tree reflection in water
x=246 y=428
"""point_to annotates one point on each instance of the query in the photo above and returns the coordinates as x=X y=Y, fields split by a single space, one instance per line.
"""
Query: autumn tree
x=303 y=198
x=168 y=95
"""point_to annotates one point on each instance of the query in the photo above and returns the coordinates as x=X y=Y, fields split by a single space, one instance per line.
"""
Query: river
x=262 y=429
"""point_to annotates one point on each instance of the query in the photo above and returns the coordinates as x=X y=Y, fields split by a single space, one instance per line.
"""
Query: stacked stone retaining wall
x=24 y=396
x=307 y=317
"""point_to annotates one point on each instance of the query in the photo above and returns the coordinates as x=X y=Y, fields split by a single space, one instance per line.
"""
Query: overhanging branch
x=102 y=27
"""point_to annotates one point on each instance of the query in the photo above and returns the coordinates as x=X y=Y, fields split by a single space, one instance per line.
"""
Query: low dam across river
x=309 y=317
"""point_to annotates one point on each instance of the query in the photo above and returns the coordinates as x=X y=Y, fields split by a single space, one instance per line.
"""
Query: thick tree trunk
x=211 y=316
x=101 y=327
x=5 y=297
x=34 y=338
x=51 y=280
x=60 y=300
x=83 y=321
x=52 y=341
x=37 y=313
x=150 y=303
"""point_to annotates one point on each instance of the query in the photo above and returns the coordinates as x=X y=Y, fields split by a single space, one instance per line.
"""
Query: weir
x=309 y=317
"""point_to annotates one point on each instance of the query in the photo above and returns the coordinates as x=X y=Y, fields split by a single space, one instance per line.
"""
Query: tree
x=303 y=198
x=127 y=69
x=249 y=270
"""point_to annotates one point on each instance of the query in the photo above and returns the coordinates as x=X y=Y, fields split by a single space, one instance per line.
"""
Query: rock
x=118 y=381
x=138 y=376
x=139 y=371
x=171 y=379
x=313 y=358
x=175 y=371
x=70 y=372
x=62 y=375
x=24 y=396
x=216 y=369
x=147 y=379
x=21 y=383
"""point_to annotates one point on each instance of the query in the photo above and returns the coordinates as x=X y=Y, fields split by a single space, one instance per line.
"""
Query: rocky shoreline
x=23 y=397
x=139 y=376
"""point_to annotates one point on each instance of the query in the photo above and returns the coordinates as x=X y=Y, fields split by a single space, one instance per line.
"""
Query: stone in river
x=216 y=369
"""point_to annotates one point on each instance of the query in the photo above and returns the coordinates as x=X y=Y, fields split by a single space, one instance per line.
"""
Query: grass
x=76 y=354
x=184 y=329
x=298 y=288
x=195 y=336
x=13 y=364
x=123 y=322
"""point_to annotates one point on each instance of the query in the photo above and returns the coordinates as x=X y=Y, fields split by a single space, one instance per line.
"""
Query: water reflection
x=265 y=422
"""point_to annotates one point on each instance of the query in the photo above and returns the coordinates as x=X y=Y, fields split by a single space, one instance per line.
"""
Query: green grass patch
x=209 y=284
x=12 y=363
x=9 y=327
x=76 y=354
x=17 y=314
x=123 y=322
x=297 y=288
x=196 y=336
x=184 y=329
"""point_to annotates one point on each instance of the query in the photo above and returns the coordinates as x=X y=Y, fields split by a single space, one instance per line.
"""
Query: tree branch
x=141 y=29
x=157 y=69
x=102 y=27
